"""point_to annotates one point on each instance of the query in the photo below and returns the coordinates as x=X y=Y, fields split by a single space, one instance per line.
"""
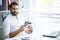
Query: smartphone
x=26 y=22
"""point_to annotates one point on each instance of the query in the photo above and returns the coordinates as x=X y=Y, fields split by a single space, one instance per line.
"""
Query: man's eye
x=16 y=8
x=13 y=8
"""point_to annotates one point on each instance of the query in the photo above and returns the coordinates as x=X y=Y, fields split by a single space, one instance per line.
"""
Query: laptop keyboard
x=51 y=34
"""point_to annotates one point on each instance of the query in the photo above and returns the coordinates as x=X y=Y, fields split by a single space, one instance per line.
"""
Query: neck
x=15 y=17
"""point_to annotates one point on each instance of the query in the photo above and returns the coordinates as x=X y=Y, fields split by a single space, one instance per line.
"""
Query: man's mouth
x=15 y=12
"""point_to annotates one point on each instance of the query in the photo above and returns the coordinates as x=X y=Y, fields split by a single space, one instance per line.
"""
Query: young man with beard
x=14 y=23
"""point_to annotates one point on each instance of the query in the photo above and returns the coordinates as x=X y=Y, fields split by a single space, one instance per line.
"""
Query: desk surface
x=37 y=36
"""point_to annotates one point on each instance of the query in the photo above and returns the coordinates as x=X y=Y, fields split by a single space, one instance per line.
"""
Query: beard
x=14 y=13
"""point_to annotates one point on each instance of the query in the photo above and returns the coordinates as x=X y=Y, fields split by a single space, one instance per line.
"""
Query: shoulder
x=21 y=17
x=7 y=20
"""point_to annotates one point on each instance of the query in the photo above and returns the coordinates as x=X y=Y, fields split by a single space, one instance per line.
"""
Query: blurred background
x=44 y=14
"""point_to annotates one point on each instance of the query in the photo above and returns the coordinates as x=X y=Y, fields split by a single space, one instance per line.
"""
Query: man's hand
x=13 y=34
x=22 y=28
x=29 y=29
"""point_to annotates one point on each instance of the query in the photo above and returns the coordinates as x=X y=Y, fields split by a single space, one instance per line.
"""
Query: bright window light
x=47 y=6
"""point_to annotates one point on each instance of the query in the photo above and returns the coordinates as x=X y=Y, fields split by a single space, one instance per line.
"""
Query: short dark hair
x=13 y=3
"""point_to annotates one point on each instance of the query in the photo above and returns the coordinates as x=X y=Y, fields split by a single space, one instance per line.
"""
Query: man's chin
x=14 y=14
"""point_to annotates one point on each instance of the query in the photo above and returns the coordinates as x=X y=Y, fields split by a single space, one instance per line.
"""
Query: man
x=14 y=23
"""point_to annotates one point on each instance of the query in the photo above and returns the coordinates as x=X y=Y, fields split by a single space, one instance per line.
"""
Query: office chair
x=4 y=16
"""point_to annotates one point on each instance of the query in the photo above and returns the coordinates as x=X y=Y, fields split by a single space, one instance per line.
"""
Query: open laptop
x=52 y=34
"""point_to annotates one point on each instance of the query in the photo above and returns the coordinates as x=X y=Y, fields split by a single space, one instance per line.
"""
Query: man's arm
x=12 y=34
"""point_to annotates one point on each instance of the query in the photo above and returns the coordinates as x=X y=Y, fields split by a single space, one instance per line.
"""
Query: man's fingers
x=25 y=24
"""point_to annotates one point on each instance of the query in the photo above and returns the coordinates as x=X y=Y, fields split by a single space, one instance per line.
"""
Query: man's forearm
x=12 y=34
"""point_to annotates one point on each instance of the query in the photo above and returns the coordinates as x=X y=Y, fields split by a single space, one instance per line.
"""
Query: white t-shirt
x=11 y=24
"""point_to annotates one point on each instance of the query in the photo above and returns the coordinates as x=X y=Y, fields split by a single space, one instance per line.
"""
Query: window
x=47 y=6
x=45 y=14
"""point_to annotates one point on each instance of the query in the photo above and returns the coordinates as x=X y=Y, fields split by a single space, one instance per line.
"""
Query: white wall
x=24 y=8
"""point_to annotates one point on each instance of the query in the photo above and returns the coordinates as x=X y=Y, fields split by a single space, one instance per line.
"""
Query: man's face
x=14 y=9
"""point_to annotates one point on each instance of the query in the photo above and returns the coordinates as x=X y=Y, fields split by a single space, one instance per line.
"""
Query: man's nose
x=16 y=10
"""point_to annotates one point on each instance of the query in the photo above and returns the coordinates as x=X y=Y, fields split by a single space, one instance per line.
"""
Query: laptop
x=52 y=34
